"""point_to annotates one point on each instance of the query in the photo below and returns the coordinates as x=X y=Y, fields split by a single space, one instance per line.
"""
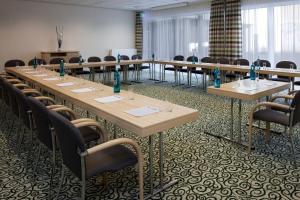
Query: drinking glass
x=291 y=67
x=131 y=94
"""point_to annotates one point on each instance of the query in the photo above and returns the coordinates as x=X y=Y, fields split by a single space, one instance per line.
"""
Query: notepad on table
x=65 y=84
x=51 y=79
x=143 y=111
x=41 y=75
x=109 y=99
x=83 y=90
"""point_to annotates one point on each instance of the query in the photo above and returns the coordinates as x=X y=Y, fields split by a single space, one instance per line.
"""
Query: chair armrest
x=41 y=98
x=115 y=142
x=31 y=91
x=21 y=85
x=293 y=92
x=287 y=97
x=269 y=104
x=54 y=106
x=65 y=109
x=82 y=120
x=13 y=80
x=102 y=132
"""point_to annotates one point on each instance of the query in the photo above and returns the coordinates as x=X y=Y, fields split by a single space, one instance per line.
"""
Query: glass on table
x=168 y=106
x=238 y=63
x=131 y=95
x=291 y=67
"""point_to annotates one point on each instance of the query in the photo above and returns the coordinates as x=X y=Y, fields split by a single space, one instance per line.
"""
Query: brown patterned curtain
x=225 y=32
x=139 y=32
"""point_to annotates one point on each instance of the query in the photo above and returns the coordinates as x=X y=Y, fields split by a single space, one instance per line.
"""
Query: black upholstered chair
x=224 y=61
x=39 y=62
x=242 y=62
x=285 y=65
x=194 y=70
x=208 y=60
x=14 y=63
x=110 y=58
x=139 y=57
x=270 y=112
x=95 y=59
x=179 y=68
x=124 y=57
x=77 y=71
x=85 y=163
x=56 y=60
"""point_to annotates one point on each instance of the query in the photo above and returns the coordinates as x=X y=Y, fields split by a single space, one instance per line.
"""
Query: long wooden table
x=146 y=126
x=245 y=90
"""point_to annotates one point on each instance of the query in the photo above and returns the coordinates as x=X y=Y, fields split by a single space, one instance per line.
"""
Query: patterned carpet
x=207 y=167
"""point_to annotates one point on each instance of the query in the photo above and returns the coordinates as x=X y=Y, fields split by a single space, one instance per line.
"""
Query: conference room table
x=161 y=64
x=245 y=90
x=116 y=108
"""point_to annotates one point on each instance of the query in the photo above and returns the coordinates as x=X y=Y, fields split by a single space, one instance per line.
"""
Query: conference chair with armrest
x=95 y=69
x=109 y=156
x=194 y=70
x=109 y=69
x=14 y=63
x=38 y=60
x=270 y=112
x=140 y=67
x=285 y=65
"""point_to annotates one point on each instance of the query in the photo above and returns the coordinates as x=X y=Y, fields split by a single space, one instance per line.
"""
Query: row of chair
x=54 y=122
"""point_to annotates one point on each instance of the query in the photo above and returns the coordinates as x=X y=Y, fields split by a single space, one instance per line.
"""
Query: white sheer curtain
x=179 y=35
x=272 y=32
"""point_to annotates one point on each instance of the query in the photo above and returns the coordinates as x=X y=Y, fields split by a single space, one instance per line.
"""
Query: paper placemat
x=51 y=79
x=247 y=88
x=83 y=90
x=143 y=111
x=41 y=75
x=32 y=72
x=109 y=99
x=65 y=84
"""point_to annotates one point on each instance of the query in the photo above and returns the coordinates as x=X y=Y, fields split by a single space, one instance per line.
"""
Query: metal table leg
x=162 y=186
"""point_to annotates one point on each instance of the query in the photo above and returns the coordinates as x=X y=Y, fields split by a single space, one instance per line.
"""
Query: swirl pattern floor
x=207 y=167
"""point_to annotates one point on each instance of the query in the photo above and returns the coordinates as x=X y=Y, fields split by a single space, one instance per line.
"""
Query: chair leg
x=37 y=161
x=83 y=189
x=267 y=132
x=141 y=179
x=292 y=145
x=250 y=134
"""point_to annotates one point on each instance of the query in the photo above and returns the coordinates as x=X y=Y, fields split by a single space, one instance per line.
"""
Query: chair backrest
x=296 y=105
x=124 y=57
x=208 y=60
x=109 y=58
x=224 y=61
x=242 y=62
x=178 y=58
x=286 y=65
x=13 y=63
x=56 y=60
x=12 y=98
x=70 y=141
x=136 y=57
x=74 y=60
x=94 y=59
x=190 y=59
x=261 y=63
x=42 y=121
x=22 y=105
x=39 y=61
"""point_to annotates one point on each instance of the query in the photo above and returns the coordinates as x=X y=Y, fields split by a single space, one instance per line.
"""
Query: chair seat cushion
x=110 y=159
x=144 y=67
x=269 y=115
x=89 y=134
x=170 y=68
x=197 y=71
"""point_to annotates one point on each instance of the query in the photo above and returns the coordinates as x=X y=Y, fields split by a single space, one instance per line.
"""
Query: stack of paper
x=41 y=75
x=143 y=111
x=83 y=90
x=51 y=79
x=65 y=84
x=109 y=99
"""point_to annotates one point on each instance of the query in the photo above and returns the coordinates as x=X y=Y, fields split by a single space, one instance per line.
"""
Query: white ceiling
x=120 y=4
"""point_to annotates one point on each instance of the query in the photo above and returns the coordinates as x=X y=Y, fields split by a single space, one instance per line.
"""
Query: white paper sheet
x=51 y=79
x=143 y=111
x=26 y=69
x=83 y=90
x=41 y=75
x=109 y=99
x=65 y=84
x=32 y=72
x=247 y=88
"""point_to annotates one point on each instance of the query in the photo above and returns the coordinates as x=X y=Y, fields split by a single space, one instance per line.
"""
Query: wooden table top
x=113 y=112
x=249 y=90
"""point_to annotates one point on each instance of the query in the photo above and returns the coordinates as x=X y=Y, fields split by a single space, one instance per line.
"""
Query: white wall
x=27 y=28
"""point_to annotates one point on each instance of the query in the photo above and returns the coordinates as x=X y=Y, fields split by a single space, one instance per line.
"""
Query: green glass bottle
x=217 y=78
x=34 y=63
x=252 y=72
x=117 y=83
x=62 y=69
